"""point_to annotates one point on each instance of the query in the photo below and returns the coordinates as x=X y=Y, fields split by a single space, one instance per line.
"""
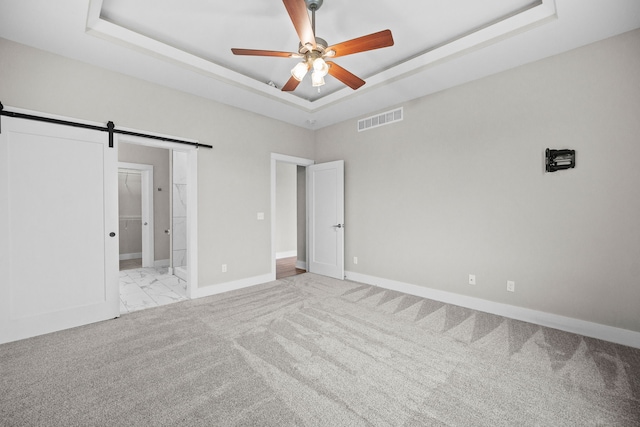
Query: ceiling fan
x=313 y=50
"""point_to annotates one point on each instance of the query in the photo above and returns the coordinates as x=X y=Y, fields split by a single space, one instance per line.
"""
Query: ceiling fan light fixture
x=313 y=50
x=317 y=79
x=300 y=70
x=320 y=67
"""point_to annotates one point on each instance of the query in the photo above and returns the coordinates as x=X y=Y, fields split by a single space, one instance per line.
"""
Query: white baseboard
x=301 y=265
x=232 y=286
x=181 y=272
x=568 y=324
x=287 y=254
x=161 y=263
x=130 y=256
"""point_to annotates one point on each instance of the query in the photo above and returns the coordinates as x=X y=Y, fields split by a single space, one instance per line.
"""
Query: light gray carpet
x=313 y=351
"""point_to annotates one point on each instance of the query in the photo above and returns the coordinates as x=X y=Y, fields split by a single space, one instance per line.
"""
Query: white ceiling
x=187 y=44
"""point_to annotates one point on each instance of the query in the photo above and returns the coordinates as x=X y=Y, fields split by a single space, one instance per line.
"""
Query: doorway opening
x=135 y=215
x=288 y=214
x=160 y=180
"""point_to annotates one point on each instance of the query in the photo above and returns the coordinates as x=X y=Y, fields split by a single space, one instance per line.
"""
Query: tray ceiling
x=187 y=45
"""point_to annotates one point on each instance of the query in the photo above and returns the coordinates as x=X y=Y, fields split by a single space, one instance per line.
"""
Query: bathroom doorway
x=158 y=176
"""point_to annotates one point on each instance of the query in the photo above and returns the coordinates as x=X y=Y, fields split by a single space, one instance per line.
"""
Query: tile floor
x=142 y=288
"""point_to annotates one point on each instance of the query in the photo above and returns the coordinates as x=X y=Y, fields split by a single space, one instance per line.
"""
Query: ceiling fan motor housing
x=321 y=47
x=313 y=4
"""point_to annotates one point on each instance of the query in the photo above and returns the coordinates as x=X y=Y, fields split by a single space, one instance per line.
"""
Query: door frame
x=146 y=190
x=299 y=161
x=192 y=196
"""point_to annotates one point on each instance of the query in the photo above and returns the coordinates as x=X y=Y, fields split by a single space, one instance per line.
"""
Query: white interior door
x=58 y=206
x=325 y=210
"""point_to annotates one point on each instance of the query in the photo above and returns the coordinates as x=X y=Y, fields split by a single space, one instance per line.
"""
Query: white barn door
x=325 y=210
x=58 y=206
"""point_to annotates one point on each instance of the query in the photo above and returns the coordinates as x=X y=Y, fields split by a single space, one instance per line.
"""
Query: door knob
x=112 y=234
x=339 y=225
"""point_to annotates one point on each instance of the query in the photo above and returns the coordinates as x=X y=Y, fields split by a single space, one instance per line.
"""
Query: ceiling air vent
x=380 y=119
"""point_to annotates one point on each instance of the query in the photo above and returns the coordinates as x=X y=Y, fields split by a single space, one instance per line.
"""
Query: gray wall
x=458 y=187
x=233 y=178
x=286 y=207
x=159 y=159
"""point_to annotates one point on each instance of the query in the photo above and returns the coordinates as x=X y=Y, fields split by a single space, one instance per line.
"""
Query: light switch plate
x=260 y=216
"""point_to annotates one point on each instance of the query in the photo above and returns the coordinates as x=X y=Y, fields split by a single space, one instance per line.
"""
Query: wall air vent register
x=380 y=119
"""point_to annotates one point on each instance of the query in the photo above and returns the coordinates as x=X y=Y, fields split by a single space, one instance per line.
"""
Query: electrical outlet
x=224 y=268
x=355 y=259
x=472 y=279
x=260 y=216
x=511 y=286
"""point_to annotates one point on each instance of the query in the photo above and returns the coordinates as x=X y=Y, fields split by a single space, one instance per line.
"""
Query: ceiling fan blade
x=346 y=77
x=297 y=10
x=257 y=52
x=292 y=84
x=362 y=44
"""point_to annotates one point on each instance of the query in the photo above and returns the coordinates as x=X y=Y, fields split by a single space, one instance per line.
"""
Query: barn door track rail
x=110 y=128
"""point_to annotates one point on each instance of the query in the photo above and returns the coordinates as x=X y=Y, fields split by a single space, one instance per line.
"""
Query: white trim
x=181 y=272
x=286 y=254
x=160 y=263
x=275 y=157
x=192 y=222
x=231 y=286
x=302 y=265
x=300 y=161
x=133 y=255
x=568 y=324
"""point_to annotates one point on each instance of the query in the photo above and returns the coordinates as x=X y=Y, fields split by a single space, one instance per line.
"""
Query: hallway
x=286 y=267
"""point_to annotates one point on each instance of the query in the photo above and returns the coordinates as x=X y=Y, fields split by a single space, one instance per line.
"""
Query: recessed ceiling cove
x=423 y=31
